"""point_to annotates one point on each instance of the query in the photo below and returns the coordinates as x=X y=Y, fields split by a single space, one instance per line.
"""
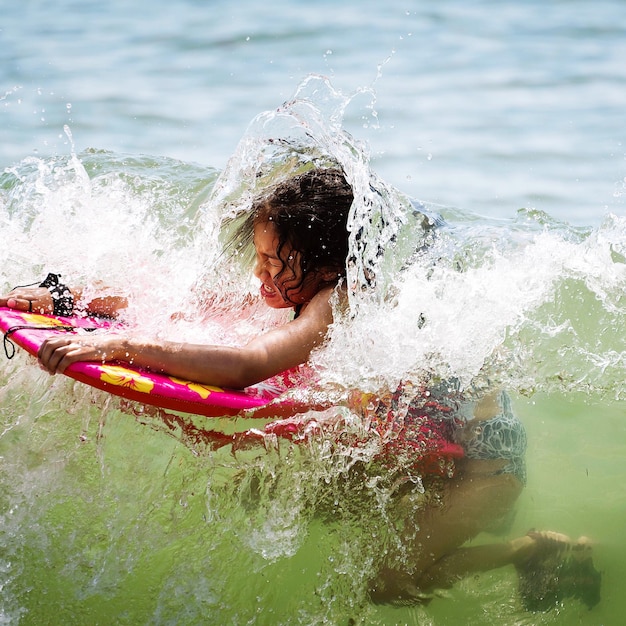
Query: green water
x=107 y=520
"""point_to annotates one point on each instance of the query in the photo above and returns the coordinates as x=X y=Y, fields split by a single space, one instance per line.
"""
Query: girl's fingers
x=15 y=303
x=52 y=352
x=57 y=353
x=32 y=300
x=23 y=304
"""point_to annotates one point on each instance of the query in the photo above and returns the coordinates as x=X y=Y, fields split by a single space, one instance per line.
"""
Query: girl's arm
x=275 y=351
x=39 y=300
x=107 y=306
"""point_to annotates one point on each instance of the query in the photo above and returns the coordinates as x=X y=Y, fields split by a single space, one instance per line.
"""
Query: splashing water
x=109 y=506
x=473 y=299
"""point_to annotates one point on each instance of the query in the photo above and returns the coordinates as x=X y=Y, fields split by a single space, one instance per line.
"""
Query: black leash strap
x=9 y=346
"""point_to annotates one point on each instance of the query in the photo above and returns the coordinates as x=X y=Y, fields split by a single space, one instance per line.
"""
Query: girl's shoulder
x=321 y=304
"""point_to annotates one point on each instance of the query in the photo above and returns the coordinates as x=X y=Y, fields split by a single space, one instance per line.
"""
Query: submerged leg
x=550 y=568
x=488 y=484
x=468 y=505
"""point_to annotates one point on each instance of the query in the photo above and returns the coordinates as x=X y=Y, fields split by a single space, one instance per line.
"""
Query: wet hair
x=310 y=215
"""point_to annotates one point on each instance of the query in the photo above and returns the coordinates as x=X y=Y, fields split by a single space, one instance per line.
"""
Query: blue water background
x=489 y=106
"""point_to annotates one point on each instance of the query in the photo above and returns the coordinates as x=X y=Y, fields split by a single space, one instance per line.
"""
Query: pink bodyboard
x=29 y=331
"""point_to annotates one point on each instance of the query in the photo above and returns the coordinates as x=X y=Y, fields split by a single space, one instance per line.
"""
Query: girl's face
x=275 y=287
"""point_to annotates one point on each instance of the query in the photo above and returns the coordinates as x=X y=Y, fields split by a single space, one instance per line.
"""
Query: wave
x=528 y=302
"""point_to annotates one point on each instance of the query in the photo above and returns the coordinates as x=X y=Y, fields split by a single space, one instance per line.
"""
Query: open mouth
x=267 y=291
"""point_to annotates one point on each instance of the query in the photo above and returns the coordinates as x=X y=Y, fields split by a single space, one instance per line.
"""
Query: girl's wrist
x=125 y=350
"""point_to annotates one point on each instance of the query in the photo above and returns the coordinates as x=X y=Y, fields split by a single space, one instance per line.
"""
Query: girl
x=300 y=236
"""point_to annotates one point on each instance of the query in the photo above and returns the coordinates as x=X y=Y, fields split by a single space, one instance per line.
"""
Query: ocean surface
x=129 y=130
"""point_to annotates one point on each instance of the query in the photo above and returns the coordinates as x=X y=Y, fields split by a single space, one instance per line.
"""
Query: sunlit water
x=108 y=517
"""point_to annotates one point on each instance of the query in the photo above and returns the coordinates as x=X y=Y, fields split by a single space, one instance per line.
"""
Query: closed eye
x=265 y=260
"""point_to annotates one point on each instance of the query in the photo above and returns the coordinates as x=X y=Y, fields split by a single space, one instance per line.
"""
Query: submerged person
x=300 y=236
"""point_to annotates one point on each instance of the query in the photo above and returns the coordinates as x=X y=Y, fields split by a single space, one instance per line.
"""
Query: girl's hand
x=30 y=299
x=57 y=353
